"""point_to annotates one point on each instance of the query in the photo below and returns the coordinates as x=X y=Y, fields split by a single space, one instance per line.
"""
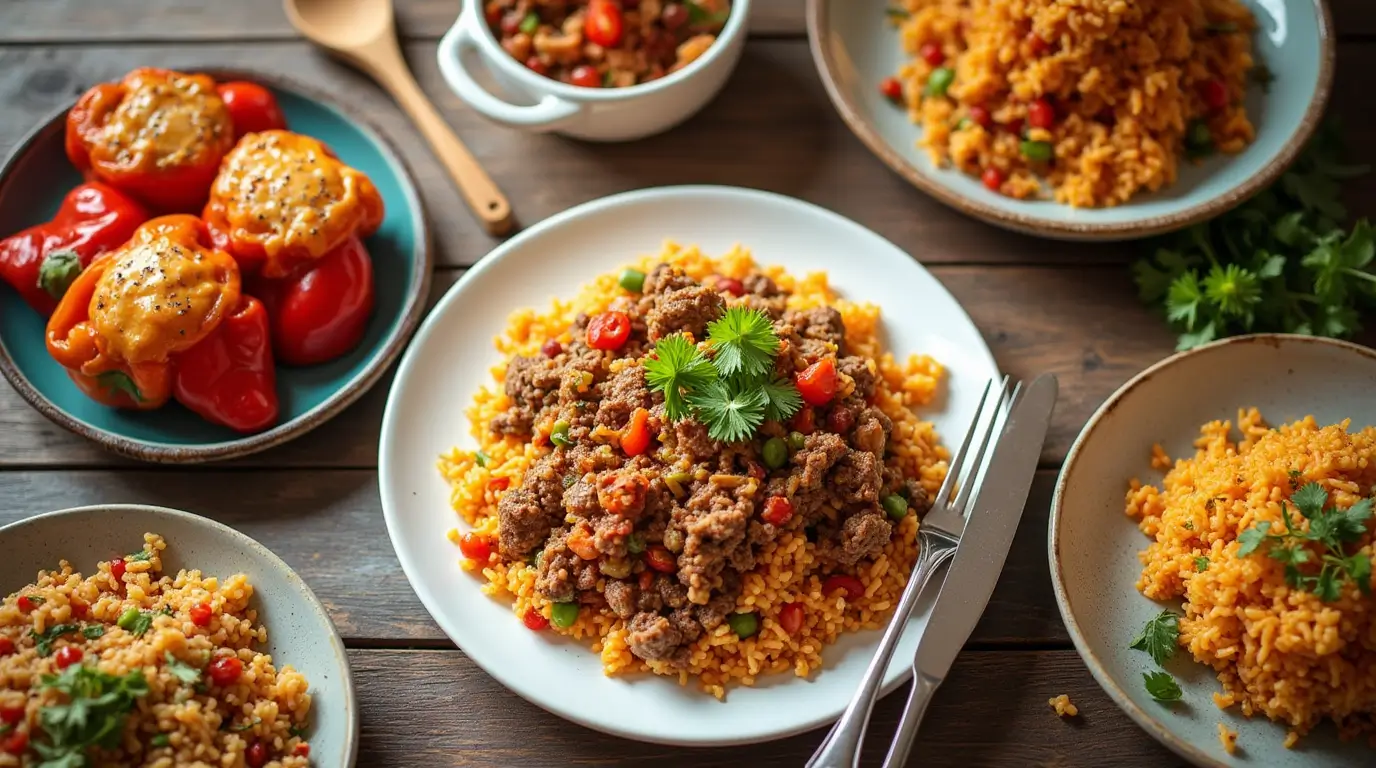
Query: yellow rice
x=1062 y=706
x=211 y=727
x=786 y=570
x=1277 y=650
x=1125 y=78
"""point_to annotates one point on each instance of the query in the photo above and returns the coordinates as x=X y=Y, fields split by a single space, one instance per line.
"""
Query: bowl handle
x=546 y=114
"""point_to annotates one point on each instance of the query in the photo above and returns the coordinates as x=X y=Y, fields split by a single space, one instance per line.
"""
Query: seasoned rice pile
x=1279 y=651
x=171 y=644
x=1125 y=80
x=786 y=569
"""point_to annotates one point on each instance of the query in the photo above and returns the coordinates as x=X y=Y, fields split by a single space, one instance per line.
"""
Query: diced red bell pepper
x=42 y=261
x=228 y=378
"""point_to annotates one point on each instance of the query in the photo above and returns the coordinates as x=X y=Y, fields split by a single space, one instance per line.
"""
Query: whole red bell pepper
x=228 y=378
x=42 y=261
x=252 y=108
x=321 y=311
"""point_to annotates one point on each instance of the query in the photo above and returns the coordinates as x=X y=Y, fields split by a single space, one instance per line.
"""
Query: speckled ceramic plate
x=299 y=630
x=855 y=47
x=32 y=184
x=451 y=358
x=1094 y=546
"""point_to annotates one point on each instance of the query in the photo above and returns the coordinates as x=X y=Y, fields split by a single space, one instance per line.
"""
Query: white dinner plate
x=451 y=357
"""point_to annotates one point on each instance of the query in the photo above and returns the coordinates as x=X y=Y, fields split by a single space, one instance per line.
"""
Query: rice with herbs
x=178 y=634
x=786 y=569
x=1278 y=650
x=1131 y=87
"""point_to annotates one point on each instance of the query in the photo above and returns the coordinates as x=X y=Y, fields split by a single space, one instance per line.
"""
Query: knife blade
x=989 y=530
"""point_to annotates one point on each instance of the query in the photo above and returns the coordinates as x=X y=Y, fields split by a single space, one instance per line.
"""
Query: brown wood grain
x=1085 y=325
x=327 y=524
x=47 y=21
x=991 y=713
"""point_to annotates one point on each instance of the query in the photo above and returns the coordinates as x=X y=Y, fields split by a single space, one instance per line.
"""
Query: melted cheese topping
x=286 y=193
x=165 y=122
x=159 y=297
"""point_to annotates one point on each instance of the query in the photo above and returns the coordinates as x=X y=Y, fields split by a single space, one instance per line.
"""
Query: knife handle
x=924 y=687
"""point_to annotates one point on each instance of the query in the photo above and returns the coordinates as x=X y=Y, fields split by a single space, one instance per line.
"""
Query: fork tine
x=967 y=487
x=958 y=458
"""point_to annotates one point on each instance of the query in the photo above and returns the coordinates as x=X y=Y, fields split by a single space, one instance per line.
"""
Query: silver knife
x=979 y=558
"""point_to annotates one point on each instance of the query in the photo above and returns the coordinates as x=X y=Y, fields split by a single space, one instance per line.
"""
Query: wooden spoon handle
x=483 y=196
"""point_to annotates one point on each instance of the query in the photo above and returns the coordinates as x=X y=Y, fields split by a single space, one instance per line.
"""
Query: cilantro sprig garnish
x=181 y=670
x=734 y=390
x=1282 y=262
x=743 y=341
x=1160 y=639
x=1330 y=528
x=92 y=714
x=43 y=641
x=676 y=368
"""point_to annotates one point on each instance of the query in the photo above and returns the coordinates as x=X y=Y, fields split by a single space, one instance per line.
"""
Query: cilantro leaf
x=93 y=631
x=1201 y=564
x=1252 y=538
x=1162 y=686
x=1359 y=570
x=1310 y=499
x=1159 y=637
x=181 y=670
x=677 y=367
x=43 y=641
x=141 y=556
x=744 y=342
x=481 y=458
x=93 y=715
x=782 y=399
x=1330 y=528
x=1233 y=289
x=731 y=413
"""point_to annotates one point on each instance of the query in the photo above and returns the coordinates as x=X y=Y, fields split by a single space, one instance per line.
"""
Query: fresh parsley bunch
x=1159 y=639
x=1332 y=529
x=735 y=390
x=93 y=715
x=1281 y=262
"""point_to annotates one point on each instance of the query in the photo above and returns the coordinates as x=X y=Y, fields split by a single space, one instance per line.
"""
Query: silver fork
x=937 y=539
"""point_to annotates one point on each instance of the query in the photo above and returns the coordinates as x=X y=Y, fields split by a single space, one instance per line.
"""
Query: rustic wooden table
x=1043 y=306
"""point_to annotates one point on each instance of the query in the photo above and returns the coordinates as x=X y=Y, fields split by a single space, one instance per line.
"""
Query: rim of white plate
x=640 y=707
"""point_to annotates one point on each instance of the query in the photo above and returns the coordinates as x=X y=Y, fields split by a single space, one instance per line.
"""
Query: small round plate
x=451 y=358
x=32 y=184
x=299 y=630
x=1094 y=546
x=855 y=46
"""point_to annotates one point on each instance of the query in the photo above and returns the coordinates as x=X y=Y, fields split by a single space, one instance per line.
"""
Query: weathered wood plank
x=1085 y=325
x=81 y=21
x=991 y=713
x=328 y=526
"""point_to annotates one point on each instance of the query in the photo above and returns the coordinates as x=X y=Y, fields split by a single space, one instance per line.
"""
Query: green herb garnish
x=93 y=714
x=481 y=458
x=699 y=15
x=897 y=13
x=1201 y=564
x=1331 y=528
x=297 y=730
x=160 y=740
x=731 y=412
x=141 y=556
x=43 y=641
x=1162 y=686
x=677 y=367
x=35 y=599
x=1281 y=262
x=181 y=670
x=1159 y=637
x=93 y=631
x=135 y=621
x=245 y=726
x=743 y=341
x=781 y=398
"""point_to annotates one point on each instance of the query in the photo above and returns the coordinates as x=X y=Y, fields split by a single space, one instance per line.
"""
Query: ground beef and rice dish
x=601 y=517
x=606 y=43
x=164 y=668
x=1258 y=615
x=1089 y=102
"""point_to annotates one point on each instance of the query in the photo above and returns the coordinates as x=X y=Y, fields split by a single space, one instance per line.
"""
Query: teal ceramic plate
x=300 y=632
x=1093 y=545
x=37 y=175
x=855 y=47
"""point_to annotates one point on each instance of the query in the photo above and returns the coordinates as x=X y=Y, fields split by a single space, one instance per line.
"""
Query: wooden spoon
x=363 y=33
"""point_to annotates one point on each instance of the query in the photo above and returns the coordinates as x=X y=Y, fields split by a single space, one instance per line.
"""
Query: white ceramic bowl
x=451 y=358
x=1093 y=545
x=299 y=630
x=542 y=104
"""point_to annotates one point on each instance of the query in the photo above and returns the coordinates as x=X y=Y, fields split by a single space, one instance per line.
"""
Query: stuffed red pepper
x=162 y=317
